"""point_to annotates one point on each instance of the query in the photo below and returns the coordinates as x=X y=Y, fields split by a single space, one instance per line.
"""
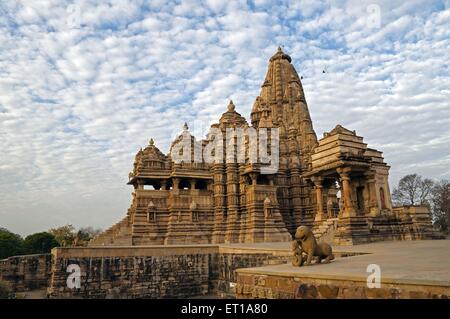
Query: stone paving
x=424 y=262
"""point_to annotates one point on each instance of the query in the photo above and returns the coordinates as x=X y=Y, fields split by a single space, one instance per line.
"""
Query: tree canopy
x=412 y=189
x=10 y=244
x=39 y=243
x=65 y=235
x=440 y=205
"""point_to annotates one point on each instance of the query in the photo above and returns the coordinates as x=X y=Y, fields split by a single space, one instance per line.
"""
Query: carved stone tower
x=282 y=104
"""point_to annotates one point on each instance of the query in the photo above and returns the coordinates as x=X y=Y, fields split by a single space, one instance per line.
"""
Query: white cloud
x=77 y=103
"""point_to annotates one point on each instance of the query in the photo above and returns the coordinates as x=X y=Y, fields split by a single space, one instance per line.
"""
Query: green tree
x=412 y=189
x=65 y=235
x=440 y=205
x=10 y=244
x=39 y=243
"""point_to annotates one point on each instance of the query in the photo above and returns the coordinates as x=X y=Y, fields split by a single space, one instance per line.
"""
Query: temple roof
x=280 y=55
x=339 y=129
x=150 y=153
x=279 y=77
x=281 y=85
x=232 y=118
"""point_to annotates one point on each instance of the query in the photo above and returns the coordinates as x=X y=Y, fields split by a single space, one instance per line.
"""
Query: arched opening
x=184 y=184
x=262 y=180
x=201 y=184
x=152 y=185
x=360 y=198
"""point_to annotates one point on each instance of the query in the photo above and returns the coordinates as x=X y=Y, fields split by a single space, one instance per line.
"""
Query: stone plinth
x=417 y=269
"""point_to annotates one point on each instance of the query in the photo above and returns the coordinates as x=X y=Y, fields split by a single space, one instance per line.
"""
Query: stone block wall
x=149 y=272
x=28 y=272
x=155 y=272
x=257 y=286
x=229 y=260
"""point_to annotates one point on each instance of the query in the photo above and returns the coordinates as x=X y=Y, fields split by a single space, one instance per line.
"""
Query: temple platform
x=408 y=269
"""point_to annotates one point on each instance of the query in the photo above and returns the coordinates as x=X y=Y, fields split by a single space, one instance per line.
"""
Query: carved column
x=317 y=180
x=175 y=181
x=373 y=203
x=349 y=210
x=193 y=183
x=254 y=178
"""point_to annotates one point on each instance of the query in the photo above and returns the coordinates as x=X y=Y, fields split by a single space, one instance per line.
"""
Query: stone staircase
x=324 y=231
x=117 y=235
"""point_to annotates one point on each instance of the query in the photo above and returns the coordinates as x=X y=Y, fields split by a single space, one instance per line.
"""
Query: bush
x=39 y=243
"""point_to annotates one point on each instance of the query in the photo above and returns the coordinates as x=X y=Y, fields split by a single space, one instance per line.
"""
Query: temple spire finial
x=231 y=106
x=185 y=127
x=151 y=142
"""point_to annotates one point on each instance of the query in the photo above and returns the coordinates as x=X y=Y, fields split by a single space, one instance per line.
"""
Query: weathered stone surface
x=305 y=291
x=151 y=272
x=311 y=288
x=27 y=272
x=328 y=291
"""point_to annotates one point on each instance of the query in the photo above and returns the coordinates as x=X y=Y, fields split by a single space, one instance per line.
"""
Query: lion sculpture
x=297 y=254
x=308 y=244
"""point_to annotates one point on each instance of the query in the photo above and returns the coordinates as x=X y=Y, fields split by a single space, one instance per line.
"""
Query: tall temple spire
x=281 y=92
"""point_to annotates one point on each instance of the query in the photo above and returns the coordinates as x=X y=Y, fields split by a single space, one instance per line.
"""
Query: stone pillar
x=175 y=181
x=373 y=202
x=220 y=212
x=317 y=180
x=349 y=210
x=193 y=182
x=254 y=178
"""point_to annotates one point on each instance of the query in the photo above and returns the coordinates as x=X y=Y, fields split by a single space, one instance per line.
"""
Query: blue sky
x=84 y=85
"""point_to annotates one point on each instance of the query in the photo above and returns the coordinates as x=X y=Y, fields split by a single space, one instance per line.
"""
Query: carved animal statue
x=309 y=245
x=297 y=252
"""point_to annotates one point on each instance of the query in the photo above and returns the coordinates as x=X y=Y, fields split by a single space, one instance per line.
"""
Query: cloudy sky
x=84 y=85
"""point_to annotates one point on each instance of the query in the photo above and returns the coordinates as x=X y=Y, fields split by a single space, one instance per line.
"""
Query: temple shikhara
x=337 y=184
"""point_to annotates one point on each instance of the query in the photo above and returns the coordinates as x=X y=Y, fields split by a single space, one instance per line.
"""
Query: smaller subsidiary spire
x=231 y=107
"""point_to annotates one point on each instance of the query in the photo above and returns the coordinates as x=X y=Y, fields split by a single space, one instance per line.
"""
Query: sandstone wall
x=228 y=260
x=256 y=286
x=154 y=272
x=26 y=272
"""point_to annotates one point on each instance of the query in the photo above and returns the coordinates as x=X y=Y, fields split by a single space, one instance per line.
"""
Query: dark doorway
x=360 y=198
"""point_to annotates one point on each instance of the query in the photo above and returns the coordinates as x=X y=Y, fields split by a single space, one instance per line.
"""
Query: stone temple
x=337 y=184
